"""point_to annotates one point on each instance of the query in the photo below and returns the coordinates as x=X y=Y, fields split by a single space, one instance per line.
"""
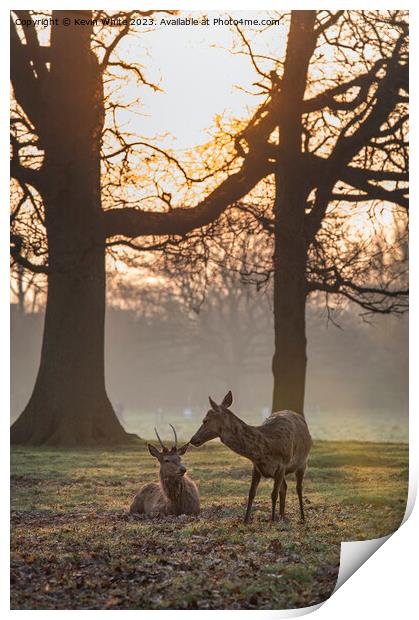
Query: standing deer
x=278 y=447
x=176 y=494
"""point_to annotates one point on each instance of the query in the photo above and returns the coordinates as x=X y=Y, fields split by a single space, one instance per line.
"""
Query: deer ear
x=214 y=405
x=153 y=451
x=183 y=448
x=227 y=400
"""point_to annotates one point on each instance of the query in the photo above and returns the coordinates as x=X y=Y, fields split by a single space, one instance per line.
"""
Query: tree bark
x=290 y=253
x=69 y=404
x=290 y=359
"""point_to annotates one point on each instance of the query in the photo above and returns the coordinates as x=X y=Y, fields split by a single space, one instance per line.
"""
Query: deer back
x=149 y=500
x=289 y=437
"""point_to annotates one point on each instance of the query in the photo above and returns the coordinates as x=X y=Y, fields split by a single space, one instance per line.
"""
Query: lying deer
x=278 y=447
x=176 y=494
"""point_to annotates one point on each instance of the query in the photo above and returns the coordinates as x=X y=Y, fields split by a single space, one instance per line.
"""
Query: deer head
x=171 y=465
x=213 y=423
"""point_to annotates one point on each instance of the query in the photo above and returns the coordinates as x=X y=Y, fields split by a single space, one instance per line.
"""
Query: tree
x=58 y=125
x=345 y=145
x=334 y=121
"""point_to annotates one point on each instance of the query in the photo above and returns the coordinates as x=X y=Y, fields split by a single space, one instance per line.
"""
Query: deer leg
x=252 y=493
x=282 y=496
x=299 y=474
x=279 y=480
x=274 y=496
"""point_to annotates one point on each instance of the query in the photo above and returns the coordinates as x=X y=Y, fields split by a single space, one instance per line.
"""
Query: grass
x=75 y=547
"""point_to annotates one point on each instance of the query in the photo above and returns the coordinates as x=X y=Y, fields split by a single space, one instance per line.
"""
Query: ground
x=75 y=547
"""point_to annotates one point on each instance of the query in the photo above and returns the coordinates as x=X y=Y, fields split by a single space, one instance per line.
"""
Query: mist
x=161 y=368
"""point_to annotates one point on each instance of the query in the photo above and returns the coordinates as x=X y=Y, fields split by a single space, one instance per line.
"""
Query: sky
x=200 y=77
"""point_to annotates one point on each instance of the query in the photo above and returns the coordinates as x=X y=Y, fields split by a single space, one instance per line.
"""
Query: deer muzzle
x=196 y=440
x=201 y=436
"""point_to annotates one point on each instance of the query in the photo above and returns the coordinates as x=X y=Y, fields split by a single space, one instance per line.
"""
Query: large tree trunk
x=289 y=361
x=69 y=404
x=290 y=254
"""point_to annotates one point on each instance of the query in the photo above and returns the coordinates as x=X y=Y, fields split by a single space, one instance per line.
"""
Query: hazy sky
x=202 y=75
x=199 y=76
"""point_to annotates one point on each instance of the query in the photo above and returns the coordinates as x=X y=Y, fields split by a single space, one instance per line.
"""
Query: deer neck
x=173 y=489
x=242 y=438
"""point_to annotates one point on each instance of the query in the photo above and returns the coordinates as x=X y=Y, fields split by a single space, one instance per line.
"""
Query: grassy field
x=75 y=547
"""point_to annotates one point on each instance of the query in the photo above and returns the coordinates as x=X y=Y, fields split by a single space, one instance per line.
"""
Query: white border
x=386 y=585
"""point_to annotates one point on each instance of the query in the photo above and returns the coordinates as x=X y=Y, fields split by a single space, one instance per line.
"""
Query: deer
x=176 y=493
x=279 y=446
